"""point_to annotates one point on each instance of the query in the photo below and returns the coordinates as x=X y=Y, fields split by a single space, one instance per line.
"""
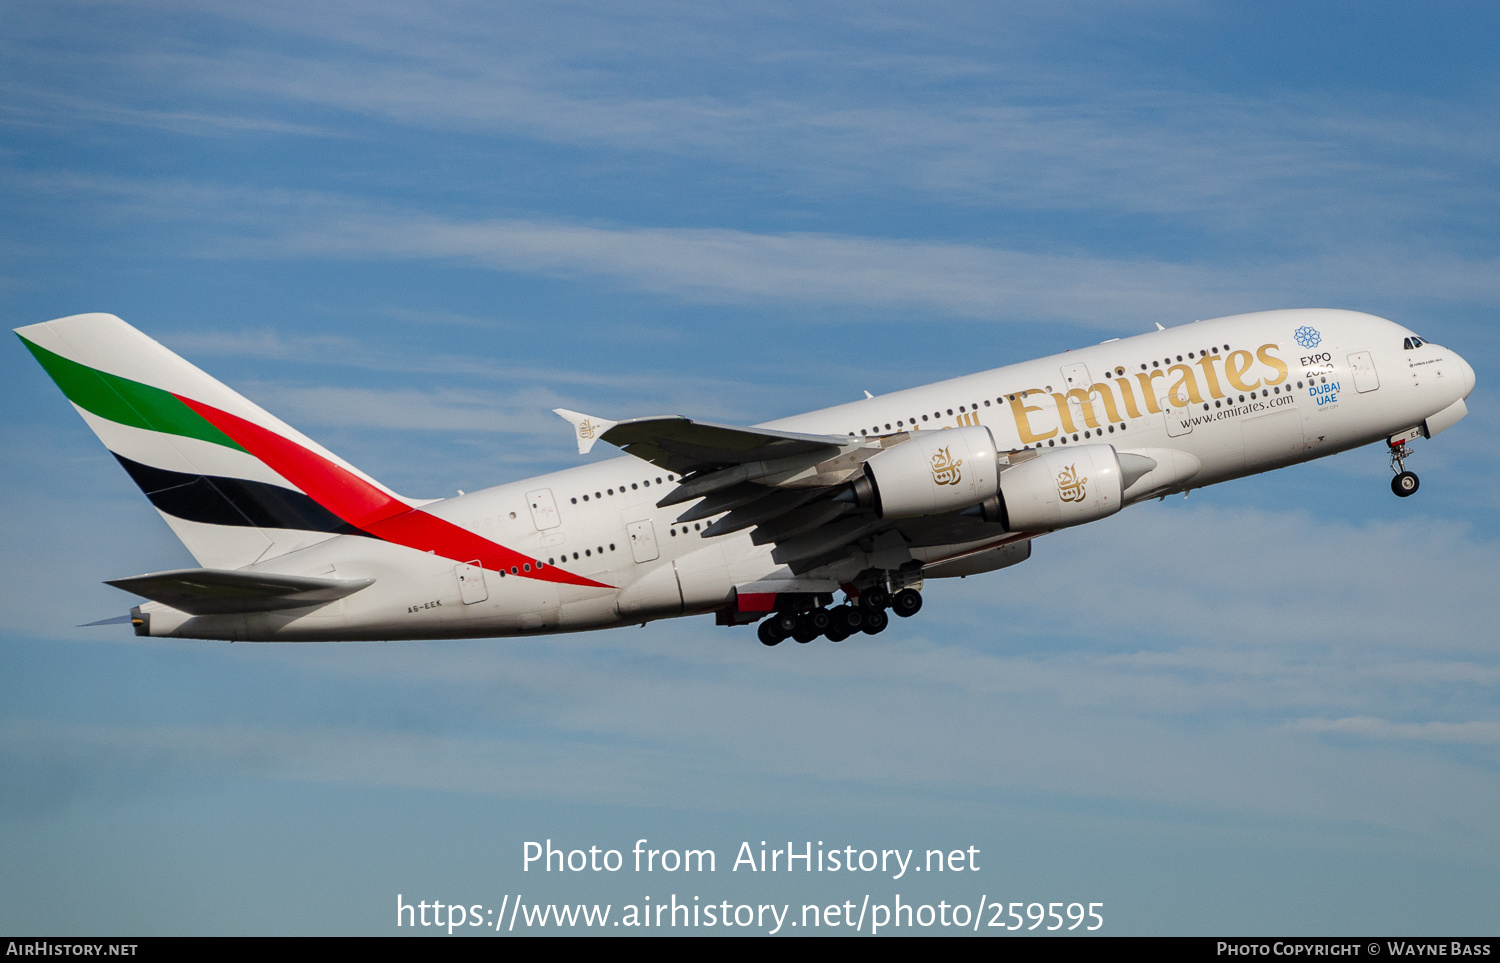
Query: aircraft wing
x=208 y=591
x=684 y=446
x=785 y=486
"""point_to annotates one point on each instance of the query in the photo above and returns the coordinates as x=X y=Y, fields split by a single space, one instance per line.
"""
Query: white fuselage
x=1259 y=400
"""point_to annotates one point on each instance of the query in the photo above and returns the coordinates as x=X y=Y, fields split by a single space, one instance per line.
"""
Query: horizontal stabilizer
x=208 y=591
x=117 y=620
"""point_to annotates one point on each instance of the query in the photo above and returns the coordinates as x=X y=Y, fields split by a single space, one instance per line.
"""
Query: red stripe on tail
x=365 y=506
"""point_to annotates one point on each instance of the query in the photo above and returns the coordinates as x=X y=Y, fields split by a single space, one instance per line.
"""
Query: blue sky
x=413 y=229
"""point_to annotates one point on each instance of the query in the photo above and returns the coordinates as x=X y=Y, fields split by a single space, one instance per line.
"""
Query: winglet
x=586 y=427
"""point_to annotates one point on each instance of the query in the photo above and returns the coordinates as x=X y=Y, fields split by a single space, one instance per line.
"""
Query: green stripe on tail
x=124 y=401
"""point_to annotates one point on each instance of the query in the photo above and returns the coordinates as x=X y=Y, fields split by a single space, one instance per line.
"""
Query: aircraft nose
x=1466 y=374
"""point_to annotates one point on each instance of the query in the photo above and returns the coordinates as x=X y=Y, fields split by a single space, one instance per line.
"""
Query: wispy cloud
x=721 y=265
x=269 y=343
x=430 y=357
x=26 y=105
x=733 y=266
x=1483 y=733
x=411 y=410
x=848 y=117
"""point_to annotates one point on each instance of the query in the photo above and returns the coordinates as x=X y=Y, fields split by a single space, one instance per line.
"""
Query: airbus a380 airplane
x=766 y=523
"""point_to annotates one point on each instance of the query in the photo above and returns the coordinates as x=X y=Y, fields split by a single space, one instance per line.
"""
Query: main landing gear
x=863 y=613
x=1405 y=483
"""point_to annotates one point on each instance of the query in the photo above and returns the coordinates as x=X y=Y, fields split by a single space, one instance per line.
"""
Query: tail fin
x=236 y=484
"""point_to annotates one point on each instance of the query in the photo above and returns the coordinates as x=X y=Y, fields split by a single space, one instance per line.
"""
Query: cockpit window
x=1411 y=343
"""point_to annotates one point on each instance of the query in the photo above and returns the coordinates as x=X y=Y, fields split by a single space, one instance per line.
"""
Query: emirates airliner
x=770 y=523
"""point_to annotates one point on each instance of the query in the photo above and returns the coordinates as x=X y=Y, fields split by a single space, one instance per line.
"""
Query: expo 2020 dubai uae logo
x=1308 y=337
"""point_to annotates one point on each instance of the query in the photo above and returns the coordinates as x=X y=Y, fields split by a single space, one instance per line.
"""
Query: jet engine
x=933 y=473
x=1060 y=487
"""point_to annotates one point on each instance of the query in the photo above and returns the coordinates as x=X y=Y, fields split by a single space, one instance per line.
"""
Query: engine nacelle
x=933 y=473
x=1059 y=488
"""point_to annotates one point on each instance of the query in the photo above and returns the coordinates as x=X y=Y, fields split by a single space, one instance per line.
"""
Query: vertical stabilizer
x=237 y=484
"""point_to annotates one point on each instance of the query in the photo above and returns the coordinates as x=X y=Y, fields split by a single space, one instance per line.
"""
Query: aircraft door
x=1178 y=422
x=1076 y=376
x=643 y=541
x=1365 y=376
x=471 y=585
x=543 y=509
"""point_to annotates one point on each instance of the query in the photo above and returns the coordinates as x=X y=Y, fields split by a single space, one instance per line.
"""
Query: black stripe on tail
x=216 y=500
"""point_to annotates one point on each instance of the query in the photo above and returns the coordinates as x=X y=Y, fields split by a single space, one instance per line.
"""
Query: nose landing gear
x=1405 y=483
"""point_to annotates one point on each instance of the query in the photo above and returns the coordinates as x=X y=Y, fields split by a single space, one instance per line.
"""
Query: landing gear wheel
x=836 y=633
x=785 y=622
x=805 y=634
x=875 y=622
x=768 y=633
x=846 y=619
x=817 y=619
x=1404 y=484
x=874 y=599
x=908 y=602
